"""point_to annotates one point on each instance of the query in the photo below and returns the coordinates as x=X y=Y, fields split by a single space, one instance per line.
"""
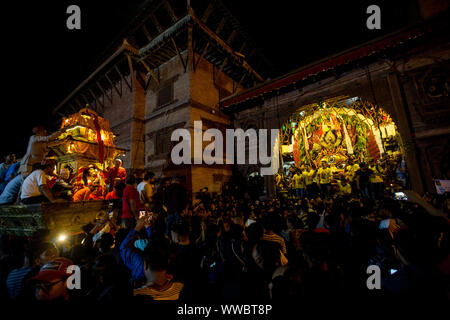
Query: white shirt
x=30 y=186
x=145 y=191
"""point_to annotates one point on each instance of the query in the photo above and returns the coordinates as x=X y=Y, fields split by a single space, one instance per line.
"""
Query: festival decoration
x=85 y=139
x=336 y=132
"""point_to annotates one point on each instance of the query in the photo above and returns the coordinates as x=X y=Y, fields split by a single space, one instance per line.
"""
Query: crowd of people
x=314 y=241
x=159 y=244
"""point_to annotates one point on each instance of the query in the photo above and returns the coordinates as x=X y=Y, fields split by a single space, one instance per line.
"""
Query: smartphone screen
x=400 y=196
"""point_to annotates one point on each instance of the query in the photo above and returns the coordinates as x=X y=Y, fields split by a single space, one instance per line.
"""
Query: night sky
x=43 y=61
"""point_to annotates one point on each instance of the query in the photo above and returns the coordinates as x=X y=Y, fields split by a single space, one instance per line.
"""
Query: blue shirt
x=12 y=170
x=131 y=257
x=9 y=195
x=3 y=168
x=14 y=281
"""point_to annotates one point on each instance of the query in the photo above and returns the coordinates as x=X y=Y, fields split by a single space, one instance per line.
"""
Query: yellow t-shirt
x=308 y=176
x=345 y=190
x=350 y=175
x=298 y=181
x=375 y=177
x=325 y=175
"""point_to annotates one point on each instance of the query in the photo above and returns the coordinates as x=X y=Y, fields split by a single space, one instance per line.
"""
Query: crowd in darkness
x=235 y=245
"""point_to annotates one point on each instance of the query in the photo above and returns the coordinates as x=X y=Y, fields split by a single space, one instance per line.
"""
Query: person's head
x=50 y=283
x=315 y=247
x=48 y=166
x=39 y=131
x=131 y=180
x=118 y=188
x=117 y=163
x=266 y=255
x=149 y=176
x=105 y=243
x=175 y=179
x=91 y=171
x=156 y=260
x=269 y=222
x=104 y=270
x=180 y=232
x=288 y=284
x=10 y=158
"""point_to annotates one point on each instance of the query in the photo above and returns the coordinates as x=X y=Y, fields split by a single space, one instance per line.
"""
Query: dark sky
x=43 y=61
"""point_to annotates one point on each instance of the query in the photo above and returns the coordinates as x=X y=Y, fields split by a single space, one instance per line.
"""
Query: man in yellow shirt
x=299 y=184
x=350 y=174
x=324 y=176
x=308 y=177
x=376 y=180
x=345 y=189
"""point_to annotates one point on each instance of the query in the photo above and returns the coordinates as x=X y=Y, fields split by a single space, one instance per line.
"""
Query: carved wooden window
x=165 y=95
x=162 y=143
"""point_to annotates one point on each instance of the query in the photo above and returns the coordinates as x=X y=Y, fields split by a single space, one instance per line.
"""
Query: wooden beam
x=132 y=75
x=79 y=104
x=122 y=77
x=190 y=57
x=179 y=53
x=147 y=34
x=74 y=109
x=232 y=36
x=221 y=25
x=156 y=23
x=169 y=9
x=104 y=92
x=242 y=79
x=223 y=65
x=205 y=48
x=113 y=86
x=96 y=98
x=85 y=100
x=225 y=46
x=244 y=45
x=140 y=80
x=88 y=79
x=152 y=74
x=208 y=11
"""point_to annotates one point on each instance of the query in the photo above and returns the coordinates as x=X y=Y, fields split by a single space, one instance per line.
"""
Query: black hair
x=156 y=255
x=120 y=235
x=269 y=221
x=181 y=227
x=149 y=175
x=131 y=179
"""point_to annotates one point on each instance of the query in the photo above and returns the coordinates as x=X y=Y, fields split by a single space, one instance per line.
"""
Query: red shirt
x=95 y=197
x=130 y=193
x=82 y=194
x=111 y=195
x=114 y=173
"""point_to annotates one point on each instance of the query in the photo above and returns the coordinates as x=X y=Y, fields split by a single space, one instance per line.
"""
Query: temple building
x=173 y=66
x=177 y=63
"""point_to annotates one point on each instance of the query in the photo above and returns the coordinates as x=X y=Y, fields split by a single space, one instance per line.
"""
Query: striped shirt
x=171 y=293
x=14 y=281
x=275 y=238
